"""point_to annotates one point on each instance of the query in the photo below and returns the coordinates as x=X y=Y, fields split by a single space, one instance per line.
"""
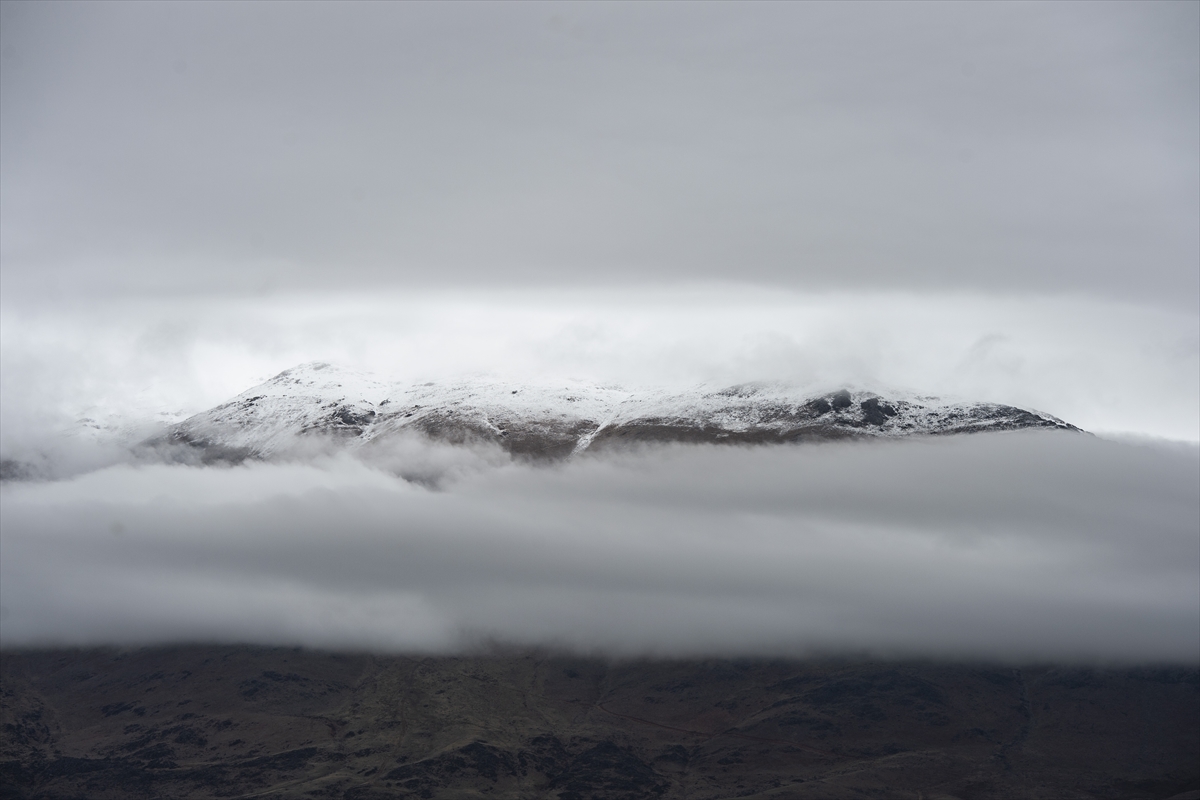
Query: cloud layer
x=1002 y=147
x=1042 y=546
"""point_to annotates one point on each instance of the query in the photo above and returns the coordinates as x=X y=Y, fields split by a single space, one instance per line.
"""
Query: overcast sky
x=998 y=147
x=995 y=201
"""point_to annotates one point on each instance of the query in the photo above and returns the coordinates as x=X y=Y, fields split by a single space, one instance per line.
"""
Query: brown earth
x=193 y=722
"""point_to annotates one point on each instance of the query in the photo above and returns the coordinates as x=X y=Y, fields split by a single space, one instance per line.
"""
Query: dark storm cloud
x=1004 y=146
x=1053 y=546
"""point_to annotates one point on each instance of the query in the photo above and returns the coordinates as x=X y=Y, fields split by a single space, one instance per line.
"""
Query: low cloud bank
x=1016 y=546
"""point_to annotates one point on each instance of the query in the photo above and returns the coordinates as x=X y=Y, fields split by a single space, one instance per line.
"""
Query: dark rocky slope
x=201 y=722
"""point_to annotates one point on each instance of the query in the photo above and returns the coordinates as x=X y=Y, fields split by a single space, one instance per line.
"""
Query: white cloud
x=1013 y=546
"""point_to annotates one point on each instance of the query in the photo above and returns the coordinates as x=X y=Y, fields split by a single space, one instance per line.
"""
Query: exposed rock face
x=558 y=420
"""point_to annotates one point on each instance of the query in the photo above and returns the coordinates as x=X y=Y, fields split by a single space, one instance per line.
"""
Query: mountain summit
x=560 y=419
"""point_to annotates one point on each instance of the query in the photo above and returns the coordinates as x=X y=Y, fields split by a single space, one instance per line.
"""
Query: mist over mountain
x=330 y=507
x=769 y=400
x=1036 y=543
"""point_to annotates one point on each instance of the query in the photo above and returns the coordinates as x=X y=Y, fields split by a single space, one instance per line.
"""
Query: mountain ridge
x=557 y=420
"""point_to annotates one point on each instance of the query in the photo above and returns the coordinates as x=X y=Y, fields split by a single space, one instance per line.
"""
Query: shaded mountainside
x=196 y=722
x=558 y=420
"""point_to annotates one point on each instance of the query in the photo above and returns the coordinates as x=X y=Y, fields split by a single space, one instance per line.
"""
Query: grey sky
x=222 y=147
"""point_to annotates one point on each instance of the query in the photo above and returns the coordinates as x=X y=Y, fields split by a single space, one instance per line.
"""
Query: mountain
x=560 y=419
x=235 y=721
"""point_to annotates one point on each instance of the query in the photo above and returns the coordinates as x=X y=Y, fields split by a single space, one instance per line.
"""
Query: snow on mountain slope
x=318 y=402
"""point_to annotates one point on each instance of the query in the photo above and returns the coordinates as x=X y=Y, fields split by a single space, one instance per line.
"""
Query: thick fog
x=1012 y=546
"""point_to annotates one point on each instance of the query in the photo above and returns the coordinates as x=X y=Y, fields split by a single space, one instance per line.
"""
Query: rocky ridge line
x=558 y=420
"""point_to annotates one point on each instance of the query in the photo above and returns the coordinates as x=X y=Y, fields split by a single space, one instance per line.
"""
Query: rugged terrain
x=192 y=722
x=556 y=420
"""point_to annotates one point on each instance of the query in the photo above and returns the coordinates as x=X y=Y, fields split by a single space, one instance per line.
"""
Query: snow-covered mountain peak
x=319 y=379
x=558 y=418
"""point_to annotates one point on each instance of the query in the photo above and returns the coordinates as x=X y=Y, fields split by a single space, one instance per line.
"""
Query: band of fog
x=1011 y=546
